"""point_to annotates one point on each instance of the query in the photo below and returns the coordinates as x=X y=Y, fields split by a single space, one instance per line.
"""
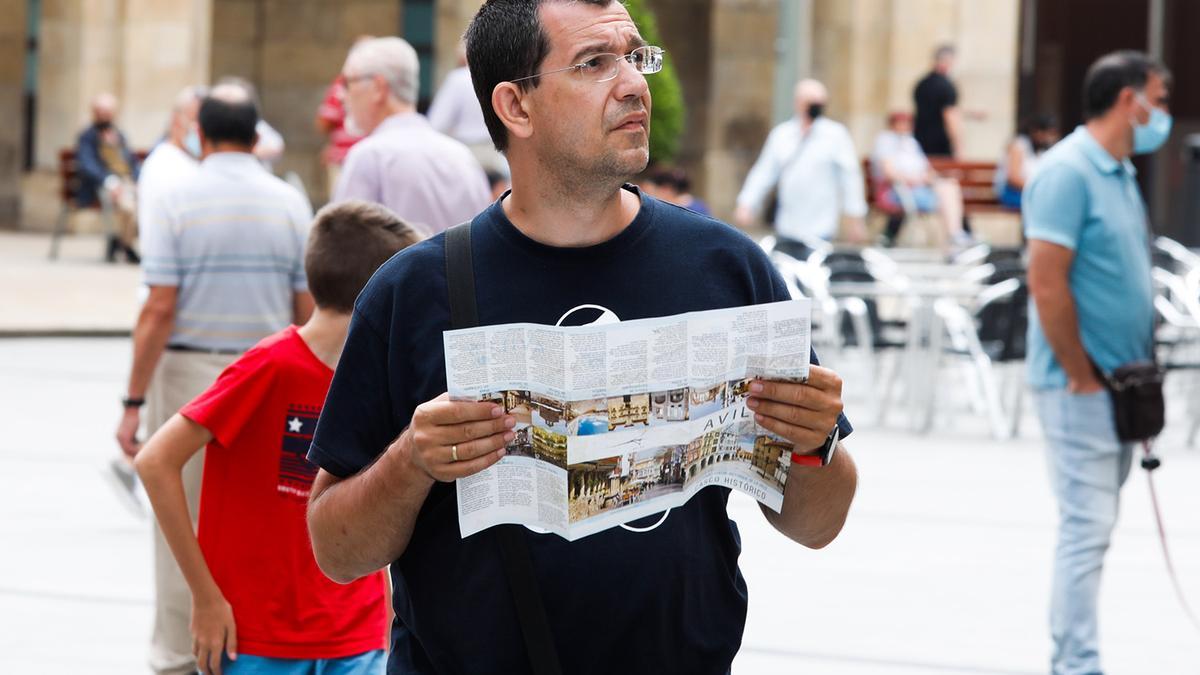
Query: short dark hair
x=1039 y=122
x=1113 y=72
x=227 y=119
x=505 y=41
x=349 y=240
x=672 y=177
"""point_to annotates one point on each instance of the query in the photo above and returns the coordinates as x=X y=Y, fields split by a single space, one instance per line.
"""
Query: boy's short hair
x=348 y=242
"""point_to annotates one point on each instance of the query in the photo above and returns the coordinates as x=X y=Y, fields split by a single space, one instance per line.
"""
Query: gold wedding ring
x=453 y=453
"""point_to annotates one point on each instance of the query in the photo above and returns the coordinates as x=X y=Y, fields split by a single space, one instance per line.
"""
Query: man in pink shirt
x=331 y=122
x=425 y=177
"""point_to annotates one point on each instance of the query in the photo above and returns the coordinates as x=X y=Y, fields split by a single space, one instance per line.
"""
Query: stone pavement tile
x=78 y=293
x=945 y=563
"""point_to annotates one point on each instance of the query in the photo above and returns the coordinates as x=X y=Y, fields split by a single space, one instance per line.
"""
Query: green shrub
x=666 y=117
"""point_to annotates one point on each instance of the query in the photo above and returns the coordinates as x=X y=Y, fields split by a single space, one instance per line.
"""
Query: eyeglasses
x=605 y=67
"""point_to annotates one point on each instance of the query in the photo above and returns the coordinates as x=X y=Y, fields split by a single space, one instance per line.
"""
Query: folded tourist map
x=620 y=421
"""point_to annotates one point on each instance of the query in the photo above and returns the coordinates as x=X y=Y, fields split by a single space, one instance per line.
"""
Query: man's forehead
x=571 y=25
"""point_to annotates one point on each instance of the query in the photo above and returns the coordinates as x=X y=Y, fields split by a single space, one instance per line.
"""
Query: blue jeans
x=1088 y=466
x=369 y=663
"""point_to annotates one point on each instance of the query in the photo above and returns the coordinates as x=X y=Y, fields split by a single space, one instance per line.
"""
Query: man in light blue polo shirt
x=1092 y=301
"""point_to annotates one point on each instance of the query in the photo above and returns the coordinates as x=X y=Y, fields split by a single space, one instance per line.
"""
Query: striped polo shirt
x=232 y=240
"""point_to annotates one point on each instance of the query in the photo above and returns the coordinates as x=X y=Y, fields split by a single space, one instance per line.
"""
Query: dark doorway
x=417 y=22
x=1061 y=38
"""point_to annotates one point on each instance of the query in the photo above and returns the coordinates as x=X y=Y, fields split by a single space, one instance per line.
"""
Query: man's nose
x=631 y=82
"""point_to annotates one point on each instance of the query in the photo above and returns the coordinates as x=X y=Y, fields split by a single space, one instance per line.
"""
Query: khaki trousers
x=179 y=377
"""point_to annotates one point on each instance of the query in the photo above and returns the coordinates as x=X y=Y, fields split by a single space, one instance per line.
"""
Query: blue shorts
x=1010 y=197
x=926 y=201
x=369 y=663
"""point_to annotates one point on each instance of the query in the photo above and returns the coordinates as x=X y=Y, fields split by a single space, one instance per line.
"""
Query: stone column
x=742 y=41
x=679 y=24
x=79 y=57
x=291 y=50
x=165 y=47
x=871 y=53
x=12 y=87
x=142 y=51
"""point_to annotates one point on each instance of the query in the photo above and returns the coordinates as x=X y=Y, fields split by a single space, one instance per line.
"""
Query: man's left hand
x=803 y=413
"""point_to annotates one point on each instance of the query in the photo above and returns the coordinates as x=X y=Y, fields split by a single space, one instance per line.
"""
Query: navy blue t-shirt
x=668 y=600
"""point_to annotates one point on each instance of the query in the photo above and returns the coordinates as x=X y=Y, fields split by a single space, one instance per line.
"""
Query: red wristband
x=806 y=460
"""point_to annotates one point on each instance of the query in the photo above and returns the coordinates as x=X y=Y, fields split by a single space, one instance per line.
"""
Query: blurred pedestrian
x=108 y=173
x=672 y=185
x=906 y=184
x=261 y=604
x=935 y=98
x=270 y=145
x=1093 y=301
x=224 y=263
x=811 y=163
x=424 y=176
x=174 y=161
x=455 y=112
x=1020 y=160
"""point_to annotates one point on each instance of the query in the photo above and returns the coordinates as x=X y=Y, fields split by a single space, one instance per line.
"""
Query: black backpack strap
x=514 y=549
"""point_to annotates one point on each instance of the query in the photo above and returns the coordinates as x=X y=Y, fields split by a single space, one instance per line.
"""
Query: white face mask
x=351 y=127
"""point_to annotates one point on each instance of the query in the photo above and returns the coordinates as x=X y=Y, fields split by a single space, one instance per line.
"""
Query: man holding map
x=563 y=89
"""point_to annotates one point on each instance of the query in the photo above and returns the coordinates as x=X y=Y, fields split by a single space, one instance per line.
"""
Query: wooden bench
x=69 y=185
x=976 y=179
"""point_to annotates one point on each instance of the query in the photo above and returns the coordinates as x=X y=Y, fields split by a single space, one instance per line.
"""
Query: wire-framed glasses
x=604 y=67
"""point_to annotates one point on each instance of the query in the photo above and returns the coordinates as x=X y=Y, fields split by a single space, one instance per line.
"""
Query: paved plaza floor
x=944 y=566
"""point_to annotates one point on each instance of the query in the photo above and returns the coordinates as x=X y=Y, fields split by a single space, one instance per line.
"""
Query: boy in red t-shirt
x=259 y=602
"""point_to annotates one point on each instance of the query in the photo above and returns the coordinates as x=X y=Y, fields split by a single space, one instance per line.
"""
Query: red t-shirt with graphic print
x=262 y=412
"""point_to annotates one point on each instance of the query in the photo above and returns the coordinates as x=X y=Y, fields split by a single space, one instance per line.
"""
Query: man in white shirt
x=175 y=159
x=455 y=112
x=812 y=162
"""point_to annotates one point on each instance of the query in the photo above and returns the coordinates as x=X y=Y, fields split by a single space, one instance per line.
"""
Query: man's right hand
x=127 y=430
x=1085 y=385
x=475 y=432
x=214 y=633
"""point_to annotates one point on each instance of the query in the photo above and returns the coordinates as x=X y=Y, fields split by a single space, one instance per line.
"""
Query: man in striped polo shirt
x=223 y=257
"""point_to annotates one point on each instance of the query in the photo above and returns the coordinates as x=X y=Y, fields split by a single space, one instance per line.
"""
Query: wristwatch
x=823 y=455
x=129 y=402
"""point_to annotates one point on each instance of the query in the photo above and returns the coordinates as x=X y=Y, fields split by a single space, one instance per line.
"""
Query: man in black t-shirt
x=938 y=124
x=563 y=89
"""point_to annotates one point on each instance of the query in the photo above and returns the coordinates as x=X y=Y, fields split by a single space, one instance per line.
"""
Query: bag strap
x=514 y=549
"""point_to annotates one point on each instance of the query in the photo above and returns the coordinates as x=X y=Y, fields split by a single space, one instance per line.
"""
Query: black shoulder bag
x=514 y=550
x=1136 y=389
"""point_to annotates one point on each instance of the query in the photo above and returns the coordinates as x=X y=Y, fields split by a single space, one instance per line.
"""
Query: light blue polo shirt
x=1084 y=199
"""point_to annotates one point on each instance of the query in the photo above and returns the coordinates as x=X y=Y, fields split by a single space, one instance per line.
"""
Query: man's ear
x=1126 y=98
x=512 y=107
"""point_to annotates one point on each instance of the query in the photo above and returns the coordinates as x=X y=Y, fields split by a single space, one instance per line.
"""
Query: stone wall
x=143 y=51
x=871 y=53
x=291 y=50
x=12 y=81
x=741 y=93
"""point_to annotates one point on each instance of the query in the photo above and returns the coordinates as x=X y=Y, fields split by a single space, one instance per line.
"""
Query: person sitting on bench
x=1016 y=167
x=107 y=172
x=905 y=182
